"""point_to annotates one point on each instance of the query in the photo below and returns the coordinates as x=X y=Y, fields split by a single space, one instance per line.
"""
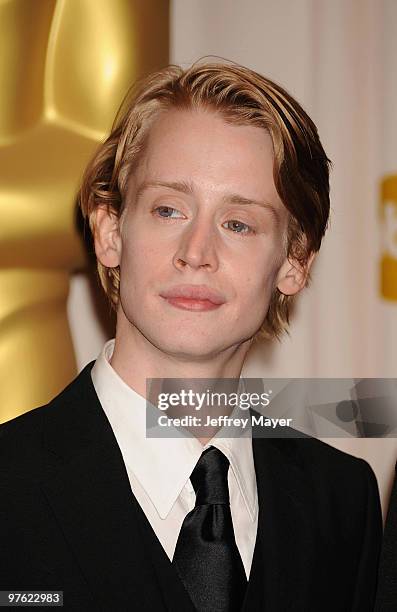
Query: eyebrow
x=187 y=188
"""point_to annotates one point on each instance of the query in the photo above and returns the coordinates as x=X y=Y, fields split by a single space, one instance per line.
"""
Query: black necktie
x=206 y=555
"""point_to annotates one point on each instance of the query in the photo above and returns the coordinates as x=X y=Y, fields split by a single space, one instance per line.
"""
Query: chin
x=196 y=345
x=188 y=348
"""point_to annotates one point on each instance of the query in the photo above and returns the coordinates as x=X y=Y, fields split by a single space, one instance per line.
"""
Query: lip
x=193 y=297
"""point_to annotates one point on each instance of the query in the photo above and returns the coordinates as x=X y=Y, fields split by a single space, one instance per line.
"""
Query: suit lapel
x=285 y=547
x=118 y=553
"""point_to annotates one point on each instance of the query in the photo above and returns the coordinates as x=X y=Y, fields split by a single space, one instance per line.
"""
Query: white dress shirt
x=159 y=468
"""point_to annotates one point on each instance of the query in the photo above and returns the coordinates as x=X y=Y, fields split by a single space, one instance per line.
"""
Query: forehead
x=200 y=148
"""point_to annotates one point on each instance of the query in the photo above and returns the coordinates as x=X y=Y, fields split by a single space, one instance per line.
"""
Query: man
x=207 y=204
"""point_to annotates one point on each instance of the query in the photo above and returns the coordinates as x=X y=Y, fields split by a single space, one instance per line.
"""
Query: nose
x=197 y=248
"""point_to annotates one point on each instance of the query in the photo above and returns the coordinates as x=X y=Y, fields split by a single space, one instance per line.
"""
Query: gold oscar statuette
x=65 y=67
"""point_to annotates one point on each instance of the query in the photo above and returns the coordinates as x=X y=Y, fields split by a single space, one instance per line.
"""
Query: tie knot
x=209 y=478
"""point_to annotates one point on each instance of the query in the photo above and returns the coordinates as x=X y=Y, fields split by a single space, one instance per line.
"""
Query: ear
x=107 y=237
x=292 y=276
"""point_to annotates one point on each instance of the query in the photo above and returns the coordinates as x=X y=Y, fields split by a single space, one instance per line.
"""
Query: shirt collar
x=163 y=465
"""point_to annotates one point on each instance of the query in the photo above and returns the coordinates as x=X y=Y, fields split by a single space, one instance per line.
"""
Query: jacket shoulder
x=344 y=473
x=321 y=454
x=324 y=465
x=21 y=437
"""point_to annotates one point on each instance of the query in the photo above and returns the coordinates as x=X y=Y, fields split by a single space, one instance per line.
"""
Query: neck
x=135 y=360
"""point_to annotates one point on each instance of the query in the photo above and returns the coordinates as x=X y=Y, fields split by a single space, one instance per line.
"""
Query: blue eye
x=237 y=225
x=166 y=209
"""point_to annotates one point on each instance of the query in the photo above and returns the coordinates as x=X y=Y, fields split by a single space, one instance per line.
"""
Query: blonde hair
x=242 y=97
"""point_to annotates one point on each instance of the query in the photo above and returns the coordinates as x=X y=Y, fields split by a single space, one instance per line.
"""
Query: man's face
x=202 y=210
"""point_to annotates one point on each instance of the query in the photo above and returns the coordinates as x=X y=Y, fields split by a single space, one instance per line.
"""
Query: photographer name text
x=222 y=421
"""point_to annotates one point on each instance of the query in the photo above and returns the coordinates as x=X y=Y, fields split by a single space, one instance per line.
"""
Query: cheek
x=141 y=263
x=258 y=288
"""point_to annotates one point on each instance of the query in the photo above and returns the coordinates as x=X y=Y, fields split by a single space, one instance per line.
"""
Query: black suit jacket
x=386 y=600
x=70 y=522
